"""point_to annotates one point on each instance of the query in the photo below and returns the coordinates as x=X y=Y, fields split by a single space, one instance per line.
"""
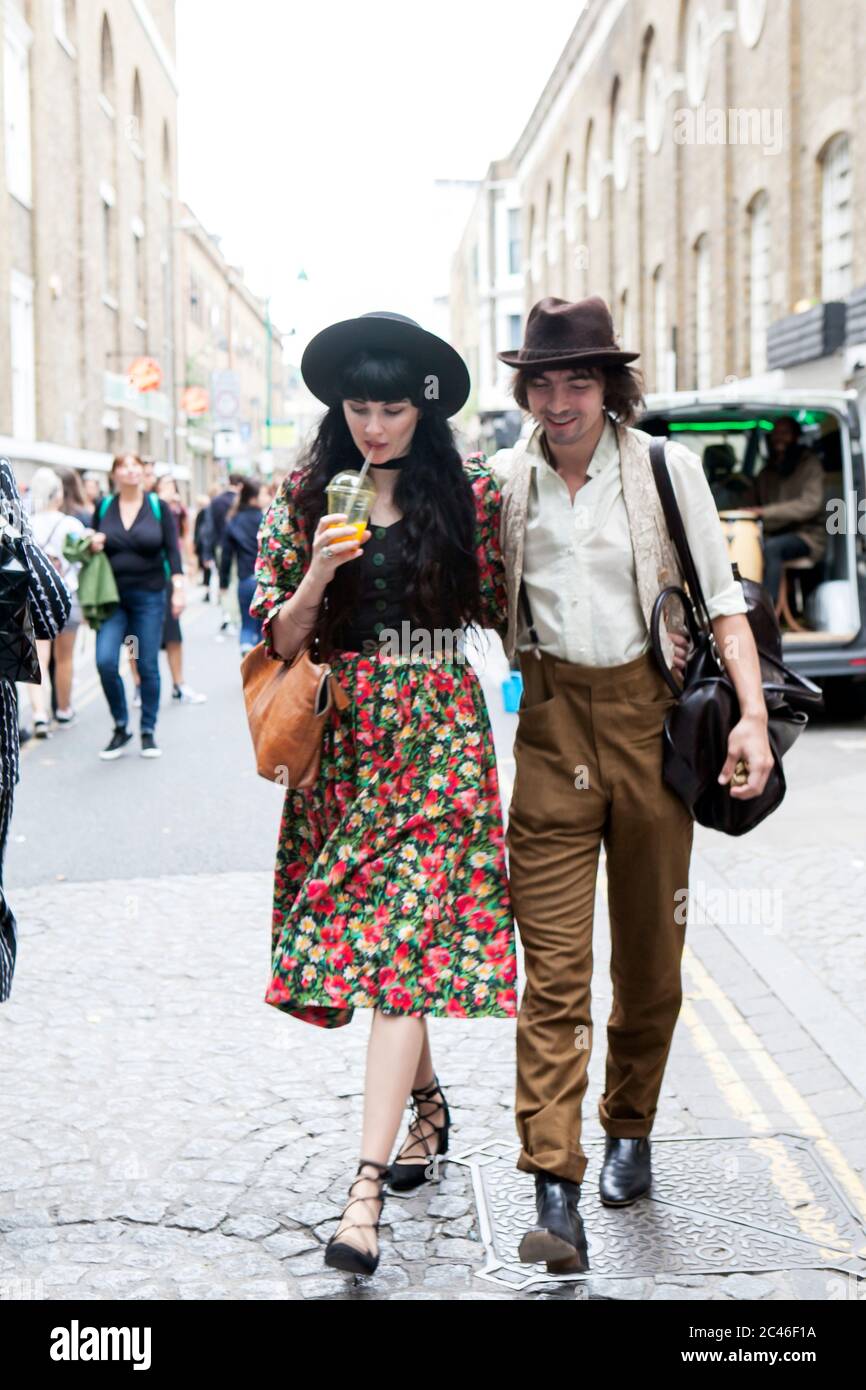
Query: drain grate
x=718 y=1206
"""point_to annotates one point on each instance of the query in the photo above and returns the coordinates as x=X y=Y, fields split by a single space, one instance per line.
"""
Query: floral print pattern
x=390 y=886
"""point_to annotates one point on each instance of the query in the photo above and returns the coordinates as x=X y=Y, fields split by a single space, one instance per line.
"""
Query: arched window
x=166 y=155
x=759 y=281
x=106 y=62
x=64 y=24
x=136 y=130
x=551 y=248
x=837 y=227
x=703 y=315
x=625 y=332
x=660 y=332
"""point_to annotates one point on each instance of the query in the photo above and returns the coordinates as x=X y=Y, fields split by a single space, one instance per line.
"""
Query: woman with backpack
x=139 y=537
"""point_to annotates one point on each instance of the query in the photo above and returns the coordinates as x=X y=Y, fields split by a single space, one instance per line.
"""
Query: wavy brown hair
x=623 y=388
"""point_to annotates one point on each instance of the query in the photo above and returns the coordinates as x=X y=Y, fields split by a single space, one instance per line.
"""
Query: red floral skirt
x=390 y=888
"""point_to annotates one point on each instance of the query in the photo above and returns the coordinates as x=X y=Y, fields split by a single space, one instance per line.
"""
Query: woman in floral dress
x=390 y=888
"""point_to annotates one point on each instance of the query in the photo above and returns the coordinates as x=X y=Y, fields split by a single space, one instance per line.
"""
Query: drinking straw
x=362 y=475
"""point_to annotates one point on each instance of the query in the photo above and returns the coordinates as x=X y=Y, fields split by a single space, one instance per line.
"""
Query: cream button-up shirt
x=578 y=564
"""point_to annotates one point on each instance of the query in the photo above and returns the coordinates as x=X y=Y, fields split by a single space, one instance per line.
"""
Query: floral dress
x=390 y=888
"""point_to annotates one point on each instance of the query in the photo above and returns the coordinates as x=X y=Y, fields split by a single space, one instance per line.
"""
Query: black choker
x=393 y=463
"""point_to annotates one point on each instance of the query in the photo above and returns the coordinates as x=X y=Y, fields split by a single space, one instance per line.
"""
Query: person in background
x=92 y=484
x=75 y=500
x=240 y=543
x=51 y=525
x=50 y=604
x=200 y=542
x=216 y=522
x=790 y=495
x=139 y=539
x=150 y=480
x=172 y=640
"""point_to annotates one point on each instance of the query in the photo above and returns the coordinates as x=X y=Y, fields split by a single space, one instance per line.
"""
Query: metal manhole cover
x=718 y=1206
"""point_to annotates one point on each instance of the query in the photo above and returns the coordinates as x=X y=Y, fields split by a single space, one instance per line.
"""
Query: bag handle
x=698 y=634
x=677 y=530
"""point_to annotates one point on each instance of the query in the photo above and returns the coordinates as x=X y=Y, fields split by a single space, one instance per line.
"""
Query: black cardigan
x=136 y=555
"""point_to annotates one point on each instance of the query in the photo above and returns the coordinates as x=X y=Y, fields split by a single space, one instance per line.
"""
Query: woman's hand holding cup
x=334 y=543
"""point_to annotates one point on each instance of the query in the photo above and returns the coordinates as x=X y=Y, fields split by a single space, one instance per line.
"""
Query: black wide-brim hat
x=443 y=377
x=559 y=332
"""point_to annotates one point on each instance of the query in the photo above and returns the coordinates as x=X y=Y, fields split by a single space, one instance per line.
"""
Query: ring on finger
x=327 y=551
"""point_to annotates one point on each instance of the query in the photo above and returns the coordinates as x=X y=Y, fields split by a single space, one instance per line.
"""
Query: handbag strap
x=677 y=530
x=527 y=612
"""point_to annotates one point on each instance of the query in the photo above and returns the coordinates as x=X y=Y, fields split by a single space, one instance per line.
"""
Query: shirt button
x=378 y=627
x=381 y=605
x=378 y=558
x=380 y=583
x=379 y=533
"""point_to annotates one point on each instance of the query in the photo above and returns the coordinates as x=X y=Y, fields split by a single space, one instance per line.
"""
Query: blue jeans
x=141 y=613
x=777 y=549
x=251 y=628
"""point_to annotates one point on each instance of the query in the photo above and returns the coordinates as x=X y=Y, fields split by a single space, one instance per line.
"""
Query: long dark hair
x=248 y=496
x=432 y=492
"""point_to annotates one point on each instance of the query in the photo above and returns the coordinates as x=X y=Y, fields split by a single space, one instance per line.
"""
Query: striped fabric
x=50 y=603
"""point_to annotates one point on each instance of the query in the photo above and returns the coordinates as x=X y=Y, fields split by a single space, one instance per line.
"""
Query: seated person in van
x=790 y=493
x=731 y=491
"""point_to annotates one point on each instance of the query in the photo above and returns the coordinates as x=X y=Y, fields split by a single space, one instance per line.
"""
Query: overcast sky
x=311 y=135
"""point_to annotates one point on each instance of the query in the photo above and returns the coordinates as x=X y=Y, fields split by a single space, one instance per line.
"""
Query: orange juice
x=344 y=495
x=360 y=526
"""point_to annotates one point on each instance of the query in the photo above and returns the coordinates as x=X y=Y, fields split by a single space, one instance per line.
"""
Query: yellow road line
x=786 y=1174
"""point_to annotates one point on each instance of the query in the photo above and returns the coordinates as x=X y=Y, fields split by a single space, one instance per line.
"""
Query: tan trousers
x=588 y=754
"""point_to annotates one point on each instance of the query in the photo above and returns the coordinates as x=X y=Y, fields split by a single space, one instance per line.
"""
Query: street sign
x=227 y=444
x=226 y=397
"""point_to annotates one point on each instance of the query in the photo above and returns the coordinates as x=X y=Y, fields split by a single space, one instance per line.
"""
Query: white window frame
x=837 y=223
x=110 y=285
x=61 y=29
x=22 y=341
x=139 y=271
x=17 y=41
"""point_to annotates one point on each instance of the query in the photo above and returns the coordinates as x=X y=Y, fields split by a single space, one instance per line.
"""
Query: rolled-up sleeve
x=723 y=593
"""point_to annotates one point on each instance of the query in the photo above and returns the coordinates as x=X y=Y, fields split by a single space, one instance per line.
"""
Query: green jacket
x=97 y=589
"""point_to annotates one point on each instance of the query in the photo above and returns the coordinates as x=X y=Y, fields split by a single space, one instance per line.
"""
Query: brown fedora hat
x=559 y=332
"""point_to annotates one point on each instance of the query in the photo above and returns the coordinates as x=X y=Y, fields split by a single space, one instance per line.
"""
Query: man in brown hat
x=587 y=551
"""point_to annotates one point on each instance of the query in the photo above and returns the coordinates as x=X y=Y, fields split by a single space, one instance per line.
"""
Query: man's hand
x=748 y=740
x=681 y=650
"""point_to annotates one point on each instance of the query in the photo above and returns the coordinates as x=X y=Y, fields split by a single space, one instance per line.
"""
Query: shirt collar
x=606 y=449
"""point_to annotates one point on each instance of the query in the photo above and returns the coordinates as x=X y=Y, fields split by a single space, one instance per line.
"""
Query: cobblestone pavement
x=166 y=1135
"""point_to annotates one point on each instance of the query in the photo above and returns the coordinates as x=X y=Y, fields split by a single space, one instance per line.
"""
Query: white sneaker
x=185 y=695
x=149 y=747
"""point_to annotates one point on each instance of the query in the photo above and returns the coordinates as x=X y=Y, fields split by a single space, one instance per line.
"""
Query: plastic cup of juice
x=345 y=495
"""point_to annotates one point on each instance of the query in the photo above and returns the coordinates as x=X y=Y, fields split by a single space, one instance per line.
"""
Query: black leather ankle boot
x=626 y=1173
x=558 y=1237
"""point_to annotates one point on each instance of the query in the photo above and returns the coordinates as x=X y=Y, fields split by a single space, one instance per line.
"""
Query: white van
x=825 y=635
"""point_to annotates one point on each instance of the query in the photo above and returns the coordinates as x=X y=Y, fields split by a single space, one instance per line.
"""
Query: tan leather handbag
x=288 y=704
